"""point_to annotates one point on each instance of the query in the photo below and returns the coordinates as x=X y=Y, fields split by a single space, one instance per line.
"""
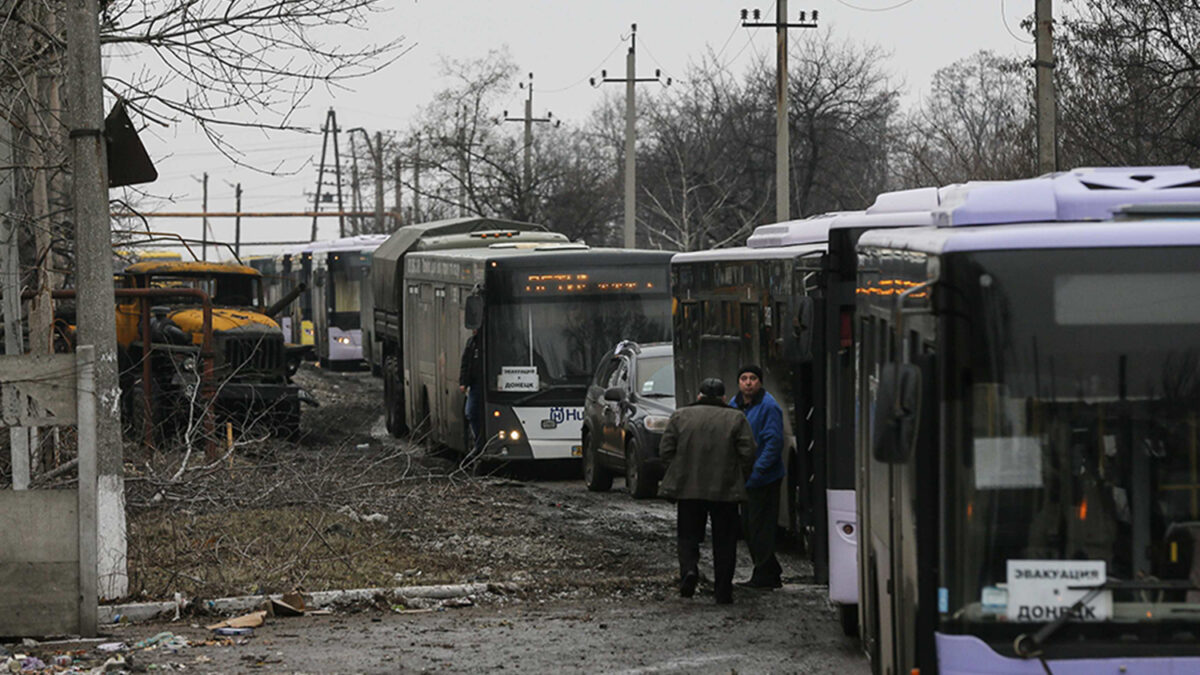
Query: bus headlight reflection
x=656 y=423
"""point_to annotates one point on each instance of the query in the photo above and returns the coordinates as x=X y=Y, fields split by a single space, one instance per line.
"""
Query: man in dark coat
x=761 y=511
x=470 y=380
x=708 y=450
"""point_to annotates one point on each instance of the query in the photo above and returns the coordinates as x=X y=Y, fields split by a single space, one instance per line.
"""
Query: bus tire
x=848 y=617
x=596 y=476
x=639 y=480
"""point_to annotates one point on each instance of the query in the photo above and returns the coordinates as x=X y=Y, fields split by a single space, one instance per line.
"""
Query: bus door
x=446 y=338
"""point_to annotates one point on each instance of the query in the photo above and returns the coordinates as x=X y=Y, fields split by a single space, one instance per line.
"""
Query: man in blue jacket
x=760 y=512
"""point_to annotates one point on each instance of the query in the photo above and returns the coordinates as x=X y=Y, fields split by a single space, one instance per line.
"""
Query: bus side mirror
x=473 y=318
x=897 y=412
x=798 y=330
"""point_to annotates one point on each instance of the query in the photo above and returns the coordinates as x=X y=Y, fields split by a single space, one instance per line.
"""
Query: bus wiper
x=657 y=394
x=553 y=387
x=1030 y=646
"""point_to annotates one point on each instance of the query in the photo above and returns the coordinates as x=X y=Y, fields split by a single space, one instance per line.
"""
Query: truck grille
x=254 y=355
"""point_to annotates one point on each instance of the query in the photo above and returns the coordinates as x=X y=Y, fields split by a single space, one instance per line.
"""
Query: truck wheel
x=638 y=479
x=596 y=476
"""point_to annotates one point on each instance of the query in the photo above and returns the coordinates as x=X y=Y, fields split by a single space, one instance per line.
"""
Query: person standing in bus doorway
x=760 y=513
x=470 y=380
x=707 y=450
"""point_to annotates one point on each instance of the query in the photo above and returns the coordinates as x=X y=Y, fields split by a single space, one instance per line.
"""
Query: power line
x=590 y=72
x=1004 y=20
x=875 y=9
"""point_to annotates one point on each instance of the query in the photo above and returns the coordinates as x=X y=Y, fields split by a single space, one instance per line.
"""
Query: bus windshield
x=540 y=344
x=346 y=272
x=1073 y=408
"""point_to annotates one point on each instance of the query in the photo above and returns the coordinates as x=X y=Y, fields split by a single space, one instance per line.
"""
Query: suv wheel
x=596 y=476
x=638 y=479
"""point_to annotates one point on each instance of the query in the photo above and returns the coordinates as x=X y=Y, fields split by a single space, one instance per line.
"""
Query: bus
x=761 y=303
x=1027 y=428
x=383 y=305
x=339 y=269
x=546 y=314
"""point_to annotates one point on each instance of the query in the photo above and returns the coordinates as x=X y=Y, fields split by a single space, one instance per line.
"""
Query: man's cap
x=751 y=368
x=712 y=387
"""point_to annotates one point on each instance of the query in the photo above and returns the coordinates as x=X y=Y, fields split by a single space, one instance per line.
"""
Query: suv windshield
x=655 y=376
x=1076 y=461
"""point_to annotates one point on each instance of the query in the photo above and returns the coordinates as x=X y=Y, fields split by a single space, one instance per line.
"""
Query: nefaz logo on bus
x=558 y=415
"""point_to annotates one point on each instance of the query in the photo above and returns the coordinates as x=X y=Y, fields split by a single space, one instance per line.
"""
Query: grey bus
x=383 y=305
x=546 y=315
x=1027 y=428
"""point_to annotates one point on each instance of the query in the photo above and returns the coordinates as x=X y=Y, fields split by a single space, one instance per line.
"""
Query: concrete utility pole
x=396 y=212
x=630 y=81
x=1047 y=106
x=204 y=226
x=783 y=181
x=355 y=187
x=527 y=175
x=95 y=317
x=416 y=167
x=10 y=274
x=237 y=223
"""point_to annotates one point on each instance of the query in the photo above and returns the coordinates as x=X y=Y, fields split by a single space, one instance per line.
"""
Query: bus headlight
x=514 y=435
x=342 y=340
x=656 y=423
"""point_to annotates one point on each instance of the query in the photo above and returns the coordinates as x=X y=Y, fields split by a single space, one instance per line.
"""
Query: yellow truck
x=214 y=347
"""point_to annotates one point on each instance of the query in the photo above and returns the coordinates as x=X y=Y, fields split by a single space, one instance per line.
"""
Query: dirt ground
x=587 y=578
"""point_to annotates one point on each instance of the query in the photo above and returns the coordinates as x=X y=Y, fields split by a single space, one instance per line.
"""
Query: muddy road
x=577 y=581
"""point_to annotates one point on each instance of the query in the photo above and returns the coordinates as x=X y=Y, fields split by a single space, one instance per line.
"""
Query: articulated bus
x=384 y=306
x=761 y=303
x=340 y=268
x=1028 y=428
x=546 y=314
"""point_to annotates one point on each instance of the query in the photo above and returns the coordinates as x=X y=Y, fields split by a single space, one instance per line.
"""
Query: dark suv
x=628 y=403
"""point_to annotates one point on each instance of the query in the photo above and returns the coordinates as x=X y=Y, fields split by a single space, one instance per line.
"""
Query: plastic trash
x=110 y=647
x=32 y=663
x=151 y=641
x=233 y=631
x=63 y=661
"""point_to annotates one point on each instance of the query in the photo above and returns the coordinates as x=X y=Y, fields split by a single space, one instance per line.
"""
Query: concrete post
x=96 y=318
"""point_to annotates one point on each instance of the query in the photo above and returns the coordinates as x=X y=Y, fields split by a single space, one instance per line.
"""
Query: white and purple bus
x=1028 y=428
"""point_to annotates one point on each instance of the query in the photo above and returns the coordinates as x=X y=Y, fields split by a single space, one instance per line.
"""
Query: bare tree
x=1129 y=82
x=977 y=123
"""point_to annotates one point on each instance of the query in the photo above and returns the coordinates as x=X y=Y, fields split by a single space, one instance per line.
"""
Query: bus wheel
x=638 y=480
x=596 y=476
x=848 y=616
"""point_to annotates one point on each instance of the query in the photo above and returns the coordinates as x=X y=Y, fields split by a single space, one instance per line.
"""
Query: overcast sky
x=562 y=43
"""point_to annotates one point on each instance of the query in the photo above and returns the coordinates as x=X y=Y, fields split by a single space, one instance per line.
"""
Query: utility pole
x=397 y=213
x=378 y=156
x=630 y=80
x=355 y=187
x=204 y=226
x=783 y=181
x=95 y=319
x=10 y=273
x=527 y=176
x=416 y=167
x=237 y=224
x=329 y=131
x=1047 y=105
